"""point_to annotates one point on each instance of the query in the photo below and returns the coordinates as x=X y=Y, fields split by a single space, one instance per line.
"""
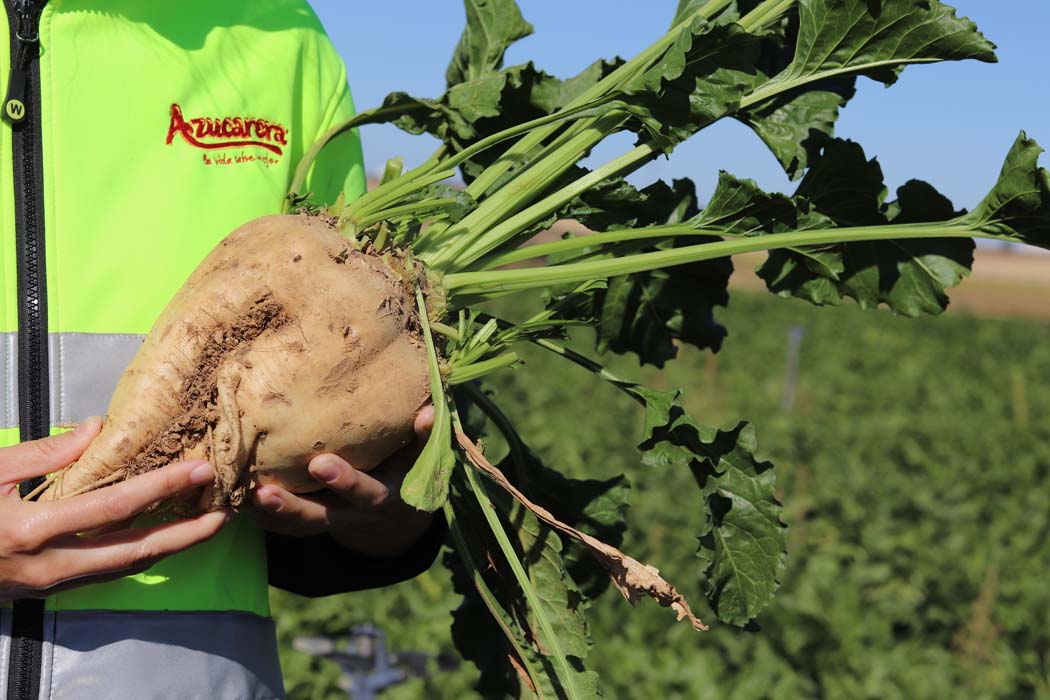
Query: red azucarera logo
x=227 y=132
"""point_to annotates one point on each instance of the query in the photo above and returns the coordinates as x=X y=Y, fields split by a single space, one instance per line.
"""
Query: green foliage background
x=915 y=472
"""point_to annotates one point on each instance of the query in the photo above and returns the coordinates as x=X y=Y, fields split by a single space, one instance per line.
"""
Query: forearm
x=320 y=566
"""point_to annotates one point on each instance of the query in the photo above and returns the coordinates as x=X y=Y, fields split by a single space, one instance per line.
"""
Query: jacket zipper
x=21 y=110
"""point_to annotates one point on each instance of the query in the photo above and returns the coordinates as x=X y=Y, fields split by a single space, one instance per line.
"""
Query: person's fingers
x=119 y=553
x=119 y=502
x=278 y=510
x=77 y=583
x=424 y=423
x=112 y=527
x=39 y=457
x=355 y=487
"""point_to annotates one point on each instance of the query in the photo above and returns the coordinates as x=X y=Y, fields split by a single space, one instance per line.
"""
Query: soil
x=199 y=400
x=1003 y=284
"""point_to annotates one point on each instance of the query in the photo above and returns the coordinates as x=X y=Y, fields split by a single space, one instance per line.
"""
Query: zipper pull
x=28 y=18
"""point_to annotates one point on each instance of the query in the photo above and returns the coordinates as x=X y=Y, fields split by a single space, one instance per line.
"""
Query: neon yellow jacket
x=135 y=136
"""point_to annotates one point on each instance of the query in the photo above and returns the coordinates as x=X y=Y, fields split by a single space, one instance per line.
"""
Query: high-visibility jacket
x=135 y=136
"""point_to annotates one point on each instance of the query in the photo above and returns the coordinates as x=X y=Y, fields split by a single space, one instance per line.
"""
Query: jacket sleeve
x=340 y=165
x=319 y=566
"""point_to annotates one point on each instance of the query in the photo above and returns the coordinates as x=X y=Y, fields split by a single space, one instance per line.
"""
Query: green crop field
x=914 y=466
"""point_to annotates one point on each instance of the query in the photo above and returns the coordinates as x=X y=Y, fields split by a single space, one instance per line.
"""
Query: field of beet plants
x=912 y=458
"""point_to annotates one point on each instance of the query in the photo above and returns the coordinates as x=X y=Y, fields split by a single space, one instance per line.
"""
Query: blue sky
x=950 y=123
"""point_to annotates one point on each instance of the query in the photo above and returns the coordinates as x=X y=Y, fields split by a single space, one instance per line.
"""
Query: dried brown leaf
x=523 y=675
x=631 y=577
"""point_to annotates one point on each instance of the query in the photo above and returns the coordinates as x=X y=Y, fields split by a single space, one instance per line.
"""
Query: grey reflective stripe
x=9 y=400
x=5 y=648
x=84 y=369
x=117 y=655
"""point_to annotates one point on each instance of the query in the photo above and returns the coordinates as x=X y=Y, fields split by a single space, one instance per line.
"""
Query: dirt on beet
x=199 y=399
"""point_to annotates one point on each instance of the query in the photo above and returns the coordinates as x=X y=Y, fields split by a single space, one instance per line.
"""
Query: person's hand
x=362 y=511
x=42 y=546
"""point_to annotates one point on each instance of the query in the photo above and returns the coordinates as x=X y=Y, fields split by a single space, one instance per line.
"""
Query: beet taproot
x=284 y=343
